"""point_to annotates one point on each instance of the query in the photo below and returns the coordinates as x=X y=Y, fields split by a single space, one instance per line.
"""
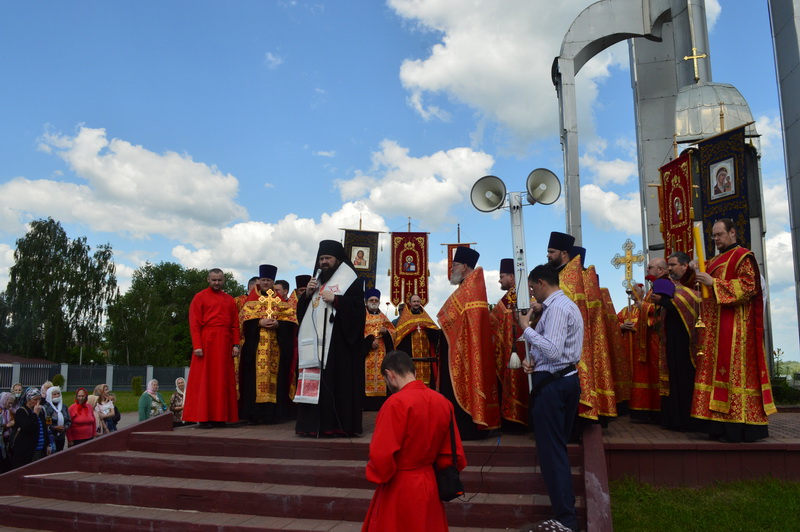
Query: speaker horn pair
x=489 y=192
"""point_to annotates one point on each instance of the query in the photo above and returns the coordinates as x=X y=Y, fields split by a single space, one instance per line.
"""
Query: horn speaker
x=489 y=193
x=543 y=187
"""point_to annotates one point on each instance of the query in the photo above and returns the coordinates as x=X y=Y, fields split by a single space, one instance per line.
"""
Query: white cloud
x=783 y=314
x=713 y=10
x=272 y=61
x=771 y=136
x=495 y=57
x=603 y=172
x=425 y=188
x=780 y=262
x=290 y=243
x=128 y=189
x=330 y=153
x=6 y=262
x=776 y=204
x=609 y=211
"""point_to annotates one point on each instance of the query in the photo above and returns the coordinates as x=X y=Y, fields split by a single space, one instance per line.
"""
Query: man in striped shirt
x=555 y=349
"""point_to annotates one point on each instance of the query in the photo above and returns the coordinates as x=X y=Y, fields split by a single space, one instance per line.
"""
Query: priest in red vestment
x=416 y=334
x=514 y=390
x=214 y=325
x=732 y=392
x=468 y=377
x=411 y=438
x=378 y=333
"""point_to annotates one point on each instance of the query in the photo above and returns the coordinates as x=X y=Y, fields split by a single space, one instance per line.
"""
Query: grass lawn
x=767 y=504
x=126 y=401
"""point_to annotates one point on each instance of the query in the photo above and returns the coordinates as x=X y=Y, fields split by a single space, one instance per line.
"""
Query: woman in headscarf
x=7 y=400
x=151 y=403
x=18 y=399
x=32 y=440
x=176 y=403
x=57 y=411
x=104 y=408
x=84 y=426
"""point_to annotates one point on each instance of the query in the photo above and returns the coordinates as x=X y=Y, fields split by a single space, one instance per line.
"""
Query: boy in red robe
x=412 y=436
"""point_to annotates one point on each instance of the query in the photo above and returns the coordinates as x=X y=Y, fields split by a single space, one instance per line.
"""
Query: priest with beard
x=467 y=374
x=378 y=331
x=330 y=387
x=417 y=334
x=266 y=374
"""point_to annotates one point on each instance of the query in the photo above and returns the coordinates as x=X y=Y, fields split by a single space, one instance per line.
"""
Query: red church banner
x=409 y=267
x=675 y=205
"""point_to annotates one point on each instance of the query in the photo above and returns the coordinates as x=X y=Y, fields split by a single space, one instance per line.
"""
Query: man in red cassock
x=214 y=324
x=411 y=438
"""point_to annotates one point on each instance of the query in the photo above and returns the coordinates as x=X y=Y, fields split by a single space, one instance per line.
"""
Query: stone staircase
x=254 y=478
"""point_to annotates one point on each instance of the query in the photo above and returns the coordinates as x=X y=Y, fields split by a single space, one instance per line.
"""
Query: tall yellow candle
x=700 y=256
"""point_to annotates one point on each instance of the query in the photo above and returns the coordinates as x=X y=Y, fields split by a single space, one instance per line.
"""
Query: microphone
x=317 y=273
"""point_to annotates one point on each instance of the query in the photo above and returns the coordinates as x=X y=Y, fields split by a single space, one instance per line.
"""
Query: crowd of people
x=36 y=422
x=318 y=355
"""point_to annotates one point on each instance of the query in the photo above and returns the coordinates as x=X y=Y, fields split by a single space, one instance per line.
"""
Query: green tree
x=149 y=324
x=58 y=292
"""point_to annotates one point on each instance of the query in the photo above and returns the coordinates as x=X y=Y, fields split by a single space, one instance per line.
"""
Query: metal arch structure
x=785 y=22
x=667 y=29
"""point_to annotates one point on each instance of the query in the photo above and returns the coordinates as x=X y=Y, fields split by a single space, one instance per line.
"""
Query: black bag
x=448 y=479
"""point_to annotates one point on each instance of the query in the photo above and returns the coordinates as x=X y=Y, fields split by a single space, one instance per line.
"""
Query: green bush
x=136 y=386
x=786 y=395
x=58 y=380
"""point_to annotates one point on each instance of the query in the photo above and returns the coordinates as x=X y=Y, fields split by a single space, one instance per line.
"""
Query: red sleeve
x=195 y=316
x=445 y=456
x=390 y=427
x=235 y=321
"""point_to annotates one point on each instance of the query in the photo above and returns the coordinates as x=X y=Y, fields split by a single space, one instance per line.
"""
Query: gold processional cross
x=694 y=57
x=628 y=260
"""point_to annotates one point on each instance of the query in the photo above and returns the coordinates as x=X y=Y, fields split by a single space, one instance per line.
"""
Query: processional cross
x=628 y=260
x=694 y=57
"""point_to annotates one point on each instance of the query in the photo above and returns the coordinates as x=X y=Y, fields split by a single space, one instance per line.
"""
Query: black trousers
x=553 y=412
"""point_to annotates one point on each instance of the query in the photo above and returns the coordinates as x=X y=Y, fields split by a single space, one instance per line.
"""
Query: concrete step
x=503 y=451
x=338 y=473
x=267 y=499
x=17 y=512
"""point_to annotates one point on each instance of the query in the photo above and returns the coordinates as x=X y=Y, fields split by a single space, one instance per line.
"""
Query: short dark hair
x=546 y=273
x=283 y=283
x=727 y=222
x=682 y=257
x=252 y=281
x=399 y=362
x=214 y=270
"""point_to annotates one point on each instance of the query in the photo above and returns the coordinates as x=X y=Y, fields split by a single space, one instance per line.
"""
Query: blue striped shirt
x=558 y=338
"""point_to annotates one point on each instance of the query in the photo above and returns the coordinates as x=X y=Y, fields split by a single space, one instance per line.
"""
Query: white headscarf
x=56 y=409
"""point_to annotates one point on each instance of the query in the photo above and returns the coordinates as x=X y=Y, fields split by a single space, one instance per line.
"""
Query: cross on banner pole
x=629 y=259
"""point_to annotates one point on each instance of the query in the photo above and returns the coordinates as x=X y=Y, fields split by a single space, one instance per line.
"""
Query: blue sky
x=243 y=132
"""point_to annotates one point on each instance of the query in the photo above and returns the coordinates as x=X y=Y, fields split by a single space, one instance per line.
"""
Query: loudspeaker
x=488 y=193
x=543 y=187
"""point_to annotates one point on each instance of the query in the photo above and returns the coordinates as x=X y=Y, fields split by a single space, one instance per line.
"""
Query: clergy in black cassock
x=330 y=388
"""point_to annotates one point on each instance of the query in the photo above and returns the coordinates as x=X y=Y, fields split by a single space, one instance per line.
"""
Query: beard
x=456 y=278
x=327 y=273
x=373 y=309
x=555 y=263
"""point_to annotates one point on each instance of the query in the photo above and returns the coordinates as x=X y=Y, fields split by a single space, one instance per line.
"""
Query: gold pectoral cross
x=694 y=57
x=268 y=300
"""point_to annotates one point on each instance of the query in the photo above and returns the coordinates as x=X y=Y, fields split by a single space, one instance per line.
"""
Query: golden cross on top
x=628 y=260
x=694 y=57
x=268 y=300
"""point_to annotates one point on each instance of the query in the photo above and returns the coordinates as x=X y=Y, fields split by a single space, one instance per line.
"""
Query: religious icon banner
x=675 y=202
x=409 y=267
x=362 y=248
x=723 y=184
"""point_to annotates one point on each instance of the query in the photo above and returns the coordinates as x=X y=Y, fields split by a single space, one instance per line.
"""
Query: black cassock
x=677 y=406
x=341 y=395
